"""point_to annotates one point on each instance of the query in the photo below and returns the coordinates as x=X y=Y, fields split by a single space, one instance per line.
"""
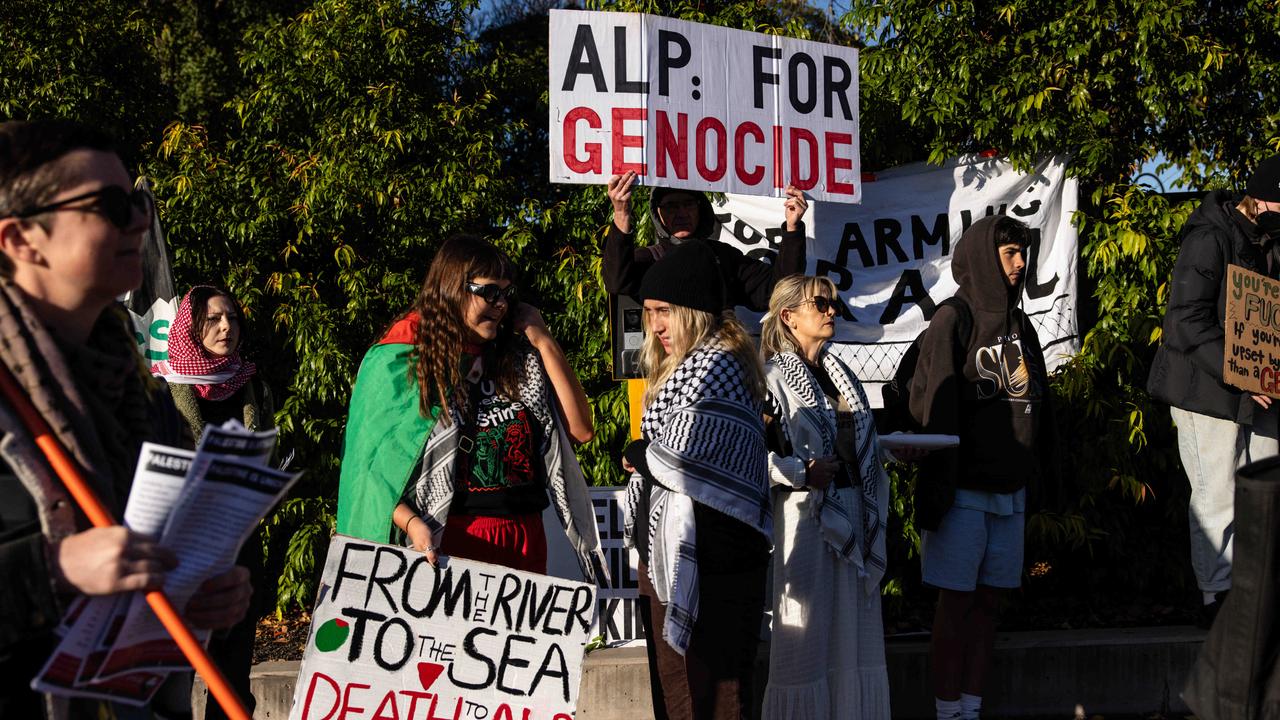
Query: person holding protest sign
x=210 y=383
x=826 y=655
x=1220 y=428
x=71 y=226
x=462 y=418
x=991 y=389
x=680 y=215
x=697 y=503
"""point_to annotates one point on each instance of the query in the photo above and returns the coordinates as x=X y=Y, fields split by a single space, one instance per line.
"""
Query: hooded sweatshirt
x=1187 y=370
x=994 y=394
x=747 y=281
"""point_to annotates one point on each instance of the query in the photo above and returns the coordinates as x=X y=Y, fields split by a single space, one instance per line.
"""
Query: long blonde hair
x=689 y=329
x=790 y=292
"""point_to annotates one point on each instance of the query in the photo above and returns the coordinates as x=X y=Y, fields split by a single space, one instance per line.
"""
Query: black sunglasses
x=492 y=293
x=820 y=303
x=114 y=203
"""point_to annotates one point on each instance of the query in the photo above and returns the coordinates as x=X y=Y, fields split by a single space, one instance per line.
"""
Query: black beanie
x=689 y=275
x=1264 y=184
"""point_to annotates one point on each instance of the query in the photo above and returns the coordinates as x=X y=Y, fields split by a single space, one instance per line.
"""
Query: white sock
x=947 y=709
x=1209 y=597
x=969 y=706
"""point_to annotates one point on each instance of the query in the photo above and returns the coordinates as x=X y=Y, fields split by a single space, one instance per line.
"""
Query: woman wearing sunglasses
x=461 y=424
x=831 y=498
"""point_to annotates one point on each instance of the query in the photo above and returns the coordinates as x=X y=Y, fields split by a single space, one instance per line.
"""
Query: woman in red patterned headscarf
x=211 y=383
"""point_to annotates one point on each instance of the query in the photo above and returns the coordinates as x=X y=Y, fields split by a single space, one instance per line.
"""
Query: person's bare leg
x=947 y=644
x=979 y=642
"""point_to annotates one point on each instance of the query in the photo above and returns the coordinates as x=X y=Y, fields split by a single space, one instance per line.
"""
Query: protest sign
x=617 y=603
x=1251 y=353
x=393 y=636
x=701 y=107
x=890 y=257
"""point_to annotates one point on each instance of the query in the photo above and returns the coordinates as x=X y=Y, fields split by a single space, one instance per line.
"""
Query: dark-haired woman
x=461 y=423
x=211 y=383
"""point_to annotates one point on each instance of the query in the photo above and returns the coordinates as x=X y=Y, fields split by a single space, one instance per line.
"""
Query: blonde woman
x=697 y=506
x=831 y=497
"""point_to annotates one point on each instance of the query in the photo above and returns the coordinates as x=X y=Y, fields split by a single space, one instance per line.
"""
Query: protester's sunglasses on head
x=113 y=202
x=492 y=293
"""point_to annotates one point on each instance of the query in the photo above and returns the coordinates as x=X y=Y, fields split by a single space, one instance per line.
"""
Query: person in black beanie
x=1220 y=428
x=698 y=509
x=678 y=215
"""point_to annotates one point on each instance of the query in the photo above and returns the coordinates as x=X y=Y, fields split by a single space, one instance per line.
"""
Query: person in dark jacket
x=991 y=389
x=678 y=215
x=71 y=228
x=1220 y=428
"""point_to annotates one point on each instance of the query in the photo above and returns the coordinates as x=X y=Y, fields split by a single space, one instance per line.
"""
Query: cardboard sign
x=701 y=107
x=618 y=604
x=1251 y=353
x=393 y=637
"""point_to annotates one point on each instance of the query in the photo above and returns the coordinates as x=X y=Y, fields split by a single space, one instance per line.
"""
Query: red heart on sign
x=427 y=674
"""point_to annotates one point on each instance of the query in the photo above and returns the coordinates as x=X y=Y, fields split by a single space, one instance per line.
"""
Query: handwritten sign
x=394 y=637
x=617 y=603
x=1251 y=357
x=701 y=107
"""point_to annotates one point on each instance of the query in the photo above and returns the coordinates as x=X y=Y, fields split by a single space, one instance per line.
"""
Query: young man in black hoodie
x=990 y=388
x=1220 y=428
x=679 y=215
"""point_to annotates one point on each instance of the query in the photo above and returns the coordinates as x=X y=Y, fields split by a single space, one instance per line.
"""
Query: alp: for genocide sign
x=701 y=107
x=393 y=638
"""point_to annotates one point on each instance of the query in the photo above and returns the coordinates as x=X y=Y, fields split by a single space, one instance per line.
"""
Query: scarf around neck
x=808 y=404
x=189 y=363
x=706 y=445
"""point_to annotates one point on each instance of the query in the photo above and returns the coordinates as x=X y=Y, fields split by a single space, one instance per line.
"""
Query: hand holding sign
x=620 y=187
x=795 y=208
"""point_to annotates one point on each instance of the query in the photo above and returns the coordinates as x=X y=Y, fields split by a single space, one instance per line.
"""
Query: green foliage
x=1108 y=85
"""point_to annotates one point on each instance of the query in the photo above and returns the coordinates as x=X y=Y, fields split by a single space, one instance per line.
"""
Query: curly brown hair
x=441 y=330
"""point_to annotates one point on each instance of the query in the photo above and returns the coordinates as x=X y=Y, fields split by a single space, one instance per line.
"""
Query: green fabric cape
x=386 y=434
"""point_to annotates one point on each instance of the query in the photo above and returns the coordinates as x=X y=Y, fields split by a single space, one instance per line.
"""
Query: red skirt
x=514 y=541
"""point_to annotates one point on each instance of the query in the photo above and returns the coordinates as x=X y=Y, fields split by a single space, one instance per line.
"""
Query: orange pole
x=98 y=514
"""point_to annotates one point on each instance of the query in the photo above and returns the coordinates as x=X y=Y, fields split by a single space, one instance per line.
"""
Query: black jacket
x=1187 y=369
x=994 y=396
x=747 y=281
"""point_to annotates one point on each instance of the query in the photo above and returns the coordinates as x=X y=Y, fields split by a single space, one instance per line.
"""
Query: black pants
x=713 y=680
x=1237 y=676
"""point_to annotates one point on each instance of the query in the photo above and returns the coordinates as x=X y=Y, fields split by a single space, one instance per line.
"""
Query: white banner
x=702 y=107
x=393 y=637
x=890 y=257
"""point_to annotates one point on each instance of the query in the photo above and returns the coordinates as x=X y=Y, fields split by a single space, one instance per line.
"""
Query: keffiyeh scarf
x=809 y=405
x=706 y=445
x=434 y=487
x=215 y=378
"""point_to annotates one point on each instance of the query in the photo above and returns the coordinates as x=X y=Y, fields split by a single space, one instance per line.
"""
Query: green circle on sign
x=332 y=635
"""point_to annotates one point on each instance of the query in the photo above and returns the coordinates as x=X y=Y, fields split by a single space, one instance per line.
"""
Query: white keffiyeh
x=806 y=411
x=706 y=445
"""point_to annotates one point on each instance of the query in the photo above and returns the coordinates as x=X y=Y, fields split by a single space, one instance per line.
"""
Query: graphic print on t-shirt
x=1002 y=368
x=502 y=457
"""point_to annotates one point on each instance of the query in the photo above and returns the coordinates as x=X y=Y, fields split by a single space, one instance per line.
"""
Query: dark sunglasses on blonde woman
x=820 y=303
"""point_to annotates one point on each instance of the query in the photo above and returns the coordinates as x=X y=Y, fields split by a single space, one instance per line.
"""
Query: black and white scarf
x=796 y=390
x=565 y=483
x=706 y=445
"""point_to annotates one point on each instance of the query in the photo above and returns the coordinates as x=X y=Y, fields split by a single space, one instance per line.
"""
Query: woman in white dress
x=830 y=502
